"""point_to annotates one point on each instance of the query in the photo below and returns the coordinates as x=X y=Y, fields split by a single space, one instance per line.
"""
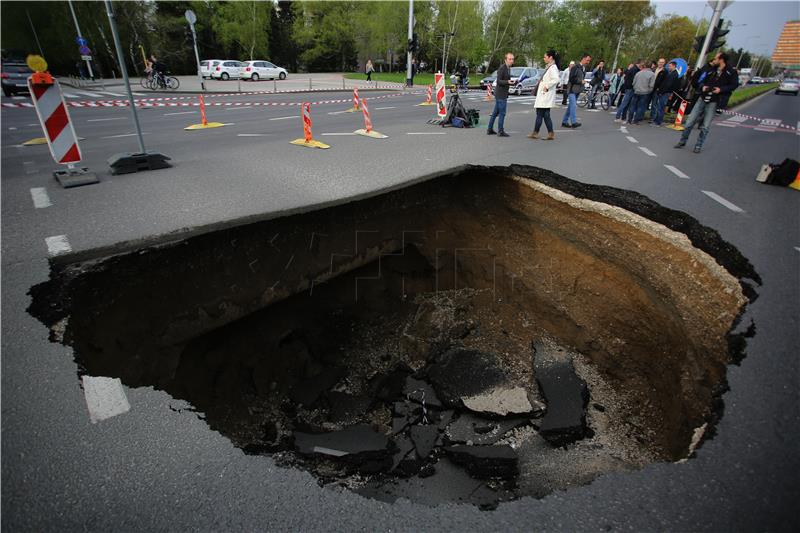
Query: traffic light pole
x=718 y=7
x=80 y=36
x=409 y=79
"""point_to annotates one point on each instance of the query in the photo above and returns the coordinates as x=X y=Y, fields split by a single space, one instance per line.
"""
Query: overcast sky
x=764 y=19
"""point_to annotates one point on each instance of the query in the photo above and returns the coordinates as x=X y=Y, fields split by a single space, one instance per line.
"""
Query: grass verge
x=422 y=78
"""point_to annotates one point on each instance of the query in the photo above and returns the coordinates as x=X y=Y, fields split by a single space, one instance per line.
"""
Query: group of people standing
x=643 y=86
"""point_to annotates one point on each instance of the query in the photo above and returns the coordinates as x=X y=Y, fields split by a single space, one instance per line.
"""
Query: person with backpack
x=546 y=96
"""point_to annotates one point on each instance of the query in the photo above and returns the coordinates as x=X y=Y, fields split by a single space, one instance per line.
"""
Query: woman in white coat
x=546 y=96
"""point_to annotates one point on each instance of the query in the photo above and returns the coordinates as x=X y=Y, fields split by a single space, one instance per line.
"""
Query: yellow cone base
x=310 y=144
x=34 y=142
x=427 y=103
x=676 y=128
x=374 y=134
x=204 y=126
x=795 y=184
x=353 y=110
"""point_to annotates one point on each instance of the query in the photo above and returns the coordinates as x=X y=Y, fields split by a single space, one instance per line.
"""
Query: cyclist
x=598 y=79
x=159 y=70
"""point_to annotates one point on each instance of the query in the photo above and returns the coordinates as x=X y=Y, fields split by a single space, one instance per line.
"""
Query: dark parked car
x=15 y=78
x=488 y=80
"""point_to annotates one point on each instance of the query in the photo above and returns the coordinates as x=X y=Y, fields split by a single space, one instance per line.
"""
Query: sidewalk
x=294 y=83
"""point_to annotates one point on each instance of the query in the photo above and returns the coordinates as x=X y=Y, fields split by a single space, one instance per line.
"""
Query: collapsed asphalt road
x=140 y=434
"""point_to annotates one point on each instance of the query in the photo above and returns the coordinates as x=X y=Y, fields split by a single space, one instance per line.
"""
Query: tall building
x=787 y=52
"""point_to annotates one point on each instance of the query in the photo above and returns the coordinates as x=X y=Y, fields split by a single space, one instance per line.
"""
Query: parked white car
x=227 y=70
x=788 y=85
x=207 y=66
x=262 y=70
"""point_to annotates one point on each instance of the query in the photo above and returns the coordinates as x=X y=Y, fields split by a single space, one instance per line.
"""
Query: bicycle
x=159 y=80
x=601 y=95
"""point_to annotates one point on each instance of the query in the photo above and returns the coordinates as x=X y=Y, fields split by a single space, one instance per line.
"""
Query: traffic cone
x=368 y=131
x=429 y=101
x=679 y=119
x=308 y=141
x=489 y=96
x=356 y=100
x=204 y=124
x=796 y=183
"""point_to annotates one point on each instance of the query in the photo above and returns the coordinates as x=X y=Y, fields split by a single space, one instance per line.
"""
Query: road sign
x=441 y=102
x=86 y=58
x=190 y=16
x=84 y=50
x=682 y=66
x=81 y=41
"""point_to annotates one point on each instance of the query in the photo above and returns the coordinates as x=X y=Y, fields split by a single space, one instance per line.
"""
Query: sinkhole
x=482 y=335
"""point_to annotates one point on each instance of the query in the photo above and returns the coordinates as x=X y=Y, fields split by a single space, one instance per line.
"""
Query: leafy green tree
x=243 y=28
x=325 y=35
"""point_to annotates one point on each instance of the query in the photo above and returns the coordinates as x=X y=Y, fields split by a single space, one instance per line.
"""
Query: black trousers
x=543 y=114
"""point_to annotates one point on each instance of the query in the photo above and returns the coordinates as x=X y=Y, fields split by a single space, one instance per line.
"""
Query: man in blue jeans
x=501 y=97
x=627 y=91
x=669 y=84
x=718 y=83
x=575 y=87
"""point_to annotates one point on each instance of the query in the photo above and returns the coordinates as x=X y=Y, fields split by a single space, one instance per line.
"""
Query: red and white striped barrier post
x=204 y=123
x=678 y=126
x=489 y=96
x=57 y=126
x=368 y=131
x=429 y=101
x=356 y=102
x=308 y=140
x=441 y=102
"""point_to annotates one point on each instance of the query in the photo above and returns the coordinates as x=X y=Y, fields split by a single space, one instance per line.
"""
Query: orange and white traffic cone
x=307 y=140
x=489 y=96
x=204 y=123
x=368 y=131
x=429 y=101
x=679 y=119
x=796 y=183
x=356 y=103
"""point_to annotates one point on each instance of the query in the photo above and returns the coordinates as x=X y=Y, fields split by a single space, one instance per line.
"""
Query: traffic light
x=720 y=31
x=413 y=44
x=698 y=43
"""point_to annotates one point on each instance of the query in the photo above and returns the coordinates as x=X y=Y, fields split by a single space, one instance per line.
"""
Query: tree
x=243 y=28
x=324 y=32
x=282 y=47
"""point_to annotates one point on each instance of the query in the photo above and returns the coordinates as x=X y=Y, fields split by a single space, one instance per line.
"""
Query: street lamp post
x=409 y=79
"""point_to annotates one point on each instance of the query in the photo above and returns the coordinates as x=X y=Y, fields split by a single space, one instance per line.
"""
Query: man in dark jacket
x=575 y=87
x=501 y=97
x=716 y=84
x=669 y=83
x=597 y=82
x=627 y=89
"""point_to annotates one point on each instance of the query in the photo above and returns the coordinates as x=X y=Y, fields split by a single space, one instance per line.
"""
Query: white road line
x=12 y=128
x=717 y=198
x=677 y=172
x=67 y=95
x=338 y=112
x=623 y=129
x=285 y=118
x=593 y=110
x=648 y=152
x=768 y=130
x=725 y=124
x=110 y=93
x=631 y=139
x=138 y=94
x=180 y=113
x=426 y=133
x=797 y=247
x=104 y=119
x=333 y=134
x=235 y=108
x=58 y=244
x=105 y=397
x=40 y=197
x=90 y=95
x=121 y=135
x=18 y=98
x=378 y=108
x=37 y=124
x=253 y=134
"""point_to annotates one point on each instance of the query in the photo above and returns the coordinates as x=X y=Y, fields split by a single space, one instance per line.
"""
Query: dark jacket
x=503 y=75
x=726 y=80
x=629 y=75
x=576 y=75
x=670 y=83
x=598 y=76
x=660 y=77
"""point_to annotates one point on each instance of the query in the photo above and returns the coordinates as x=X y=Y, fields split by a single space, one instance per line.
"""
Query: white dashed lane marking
x=631 y=139
x=648 y=152
x=253 y=134
x=717 y=198
x=677 y=172
x=40 y=197
x=340 y=134
x=105 y=119
x=58 y=244
x=285 y=118
x=426 y=133
x=121 y=135
x=379 y=108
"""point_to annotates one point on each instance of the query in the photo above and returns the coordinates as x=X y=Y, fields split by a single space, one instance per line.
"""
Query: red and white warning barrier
x=429 y=100
x=368 y=131
x=308 y=140
x=55 y=121
x=441 y=102
x=489 y=96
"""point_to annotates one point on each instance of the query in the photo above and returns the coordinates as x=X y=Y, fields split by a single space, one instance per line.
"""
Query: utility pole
x=718 y=7
x=35 y=36
x=409 y=79
x=80 y=36
x=616 y=54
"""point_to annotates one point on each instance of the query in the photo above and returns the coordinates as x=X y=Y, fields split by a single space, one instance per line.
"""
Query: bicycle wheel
x=145 y=82
x=172 y=83
x=583 y=99
x=605 y=101
x=152 y=84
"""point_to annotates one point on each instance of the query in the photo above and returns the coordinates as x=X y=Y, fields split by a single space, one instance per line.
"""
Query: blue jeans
x=706 y=110
x=626 y=102
x=658 y=108
x=570 y=116
x=499 y=111
x=543 y=114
